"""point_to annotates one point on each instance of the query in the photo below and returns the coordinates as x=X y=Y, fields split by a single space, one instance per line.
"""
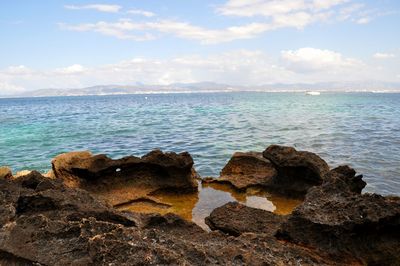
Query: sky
x=75 y=44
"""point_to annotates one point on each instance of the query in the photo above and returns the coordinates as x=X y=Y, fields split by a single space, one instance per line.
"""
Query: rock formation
x=234 y=219
x=44 y=222
x=127 y=179
x=5 y=173
x=336 y=218
x=246 y=169
x=63 y=220
x=279 y=168
x=297 y=170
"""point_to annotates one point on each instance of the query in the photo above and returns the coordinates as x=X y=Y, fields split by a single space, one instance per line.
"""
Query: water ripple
x=362 y=129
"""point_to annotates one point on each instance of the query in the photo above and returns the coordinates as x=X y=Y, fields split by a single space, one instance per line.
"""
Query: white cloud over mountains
x=239 y=67
x=275 y=14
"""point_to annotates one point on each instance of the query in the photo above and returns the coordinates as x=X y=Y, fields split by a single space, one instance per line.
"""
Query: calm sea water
x=361 y=129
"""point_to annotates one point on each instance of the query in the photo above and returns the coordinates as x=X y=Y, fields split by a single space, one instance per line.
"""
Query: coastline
x=333 y=223
x=144 y=93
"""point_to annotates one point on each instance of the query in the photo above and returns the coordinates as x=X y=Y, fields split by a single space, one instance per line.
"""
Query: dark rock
x=66 y=226
x=344 y=178
x=248 y=169
x=234 y=219
x=5 y=173
x=337 y=219
x=43 y=221
x=297 y=170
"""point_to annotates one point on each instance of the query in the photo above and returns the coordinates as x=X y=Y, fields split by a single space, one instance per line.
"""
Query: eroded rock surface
x=5 y=173
x=280 y=169
x=43 y=222
x=336 y=218
x=127 y=179
x=234 y=218
x=297 y=170
x=246 y=169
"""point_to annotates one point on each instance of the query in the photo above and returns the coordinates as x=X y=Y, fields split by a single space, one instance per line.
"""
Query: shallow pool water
x=197 y=206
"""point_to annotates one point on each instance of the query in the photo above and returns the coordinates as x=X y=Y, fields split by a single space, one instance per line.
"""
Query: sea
x=359 y=129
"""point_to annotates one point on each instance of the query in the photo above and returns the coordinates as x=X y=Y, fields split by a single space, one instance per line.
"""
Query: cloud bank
x=238 y=67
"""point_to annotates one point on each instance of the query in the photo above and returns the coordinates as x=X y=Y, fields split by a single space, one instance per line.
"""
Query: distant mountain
x=212 y=87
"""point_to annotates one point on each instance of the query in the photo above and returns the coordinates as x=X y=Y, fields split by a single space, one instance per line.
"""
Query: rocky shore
x=74 y=215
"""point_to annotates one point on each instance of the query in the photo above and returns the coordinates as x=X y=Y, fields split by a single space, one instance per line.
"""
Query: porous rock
x=59 y=225
x=129 y=178
x=247 y=169
x=5 y=173
x=339 y=220
x=297 y=170
x=234 y=219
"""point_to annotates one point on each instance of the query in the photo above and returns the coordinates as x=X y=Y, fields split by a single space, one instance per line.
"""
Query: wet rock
x=67 y=226
x=234 y=219
x=5 y=173
x=339 y=220
x=129 y=178
x=297 y=170
x=55 y=222
x=35 y=194
x=247 y=169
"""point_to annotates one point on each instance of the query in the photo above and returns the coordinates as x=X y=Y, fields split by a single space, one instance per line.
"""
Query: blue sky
x=60 y=44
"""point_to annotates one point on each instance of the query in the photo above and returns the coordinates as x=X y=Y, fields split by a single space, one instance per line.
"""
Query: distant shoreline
x=198 y=92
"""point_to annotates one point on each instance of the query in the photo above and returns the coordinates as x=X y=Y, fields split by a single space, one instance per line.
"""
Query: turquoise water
x=362 y=129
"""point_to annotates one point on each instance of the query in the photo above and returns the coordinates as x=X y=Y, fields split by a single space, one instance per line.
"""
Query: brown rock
x=297 y=170
x=128 y=178
x=247 y=169
x=5 y=173
x=64 y=226
x=339 y=220
x=234 y=219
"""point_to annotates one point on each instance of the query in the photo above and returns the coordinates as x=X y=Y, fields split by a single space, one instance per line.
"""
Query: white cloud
x=97 y=7
x=123 y=29
x=144 y=31
x=383 y=55
x=275 y=14
x=18 y=70
x=141 y=13
x=71 y=70
x=7 y=88
x=364 y=20
x=348 y=12
x=238 y=67
x=271 y=8
x=312 y=59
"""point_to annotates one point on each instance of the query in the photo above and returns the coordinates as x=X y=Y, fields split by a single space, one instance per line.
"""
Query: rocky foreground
x=72 y=216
